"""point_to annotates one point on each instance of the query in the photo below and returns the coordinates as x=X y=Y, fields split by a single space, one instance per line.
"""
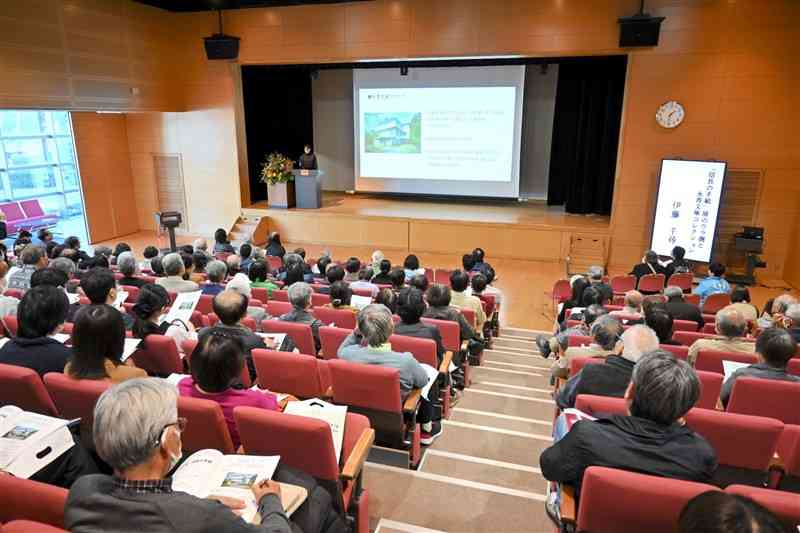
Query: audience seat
x=301 y=334
x=76 y=398
x=620 y=284
x=206 y=304
x=561 y=292
x=451 y=340
x=10 y=324
x=22 y=387
x=159 y=357
x=789 y=452
x=14 y=293
x=709 y=328
x=374 y=392
x=693 y=299
x=341 y=318
x=319 y=299
x=367 y=293
x=274 y=263
x=424 y=351
x=784 y=505
x=684 y=325
x=278 y=308
x=680 y=352
x=594 y=405
x=442 y=276
x=206 y=426
x=711 y=360
x=23 y=499
x=576 y=364
x=260 y=293
x=305 y=444
x=766 y=397
x=687 y=338
x=303 y=376
x=469 y=314
x=28 y=526
x=212 y=319
x=682 y=279
x=331 y=338
x=651 y=283
x=709 y=318
x=711 y=383
x=280 y=295
x=579 y=340
x=715 y=302
x=133 y=293
x=794 y=366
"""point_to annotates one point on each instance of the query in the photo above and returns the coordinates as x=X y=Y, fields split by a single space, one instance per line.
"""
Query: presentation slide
x=687 y=208
x=444 y=131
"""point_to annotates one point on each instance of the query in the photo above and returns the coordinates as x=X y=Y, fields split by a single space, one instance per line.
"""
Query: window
x=38 y=162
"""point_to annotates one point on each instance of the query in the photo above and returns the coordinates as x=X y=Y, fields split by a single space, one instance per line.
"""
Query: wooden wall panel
x=338 y=230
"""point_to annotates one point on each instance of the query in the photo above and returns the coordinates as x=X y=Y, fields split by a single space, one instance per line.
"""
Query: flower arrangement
x=277 y=169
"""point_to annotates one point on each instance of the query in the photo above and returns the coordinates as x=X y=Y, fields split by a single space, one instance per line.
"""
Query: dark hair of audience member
x=420 y=281
x=353 y=265
x=398 y=278
x=217 y=361
x=322 y=264
x=49 y=276
x=294 y=273
x=245 y=250
x=651 y=257
x=340 y=294
x=438 y=295
x=200 y=261
x=98 y=334
x=258 y=271
x=478 y=283
x=592 y=313
x=717 y=269
x=468 y=261
x=41 y=311
x=334 y=273
x=776 y=346
x=721 y=512
x=157 y=266
x=150 y=252
x=228 y=313
x=740 y=294
x=365 y=274
x=678 y=252
x=591 y=296
x=578 y=287
x=221 y=236
x=478 y=254
x=49 y=249
x=97 y=283
x=410 y=305
x=388 y=298
x=301 y=252
x=385 y=266
x=411 y=262
x=186 y=249
x=188 y=263
x=152 y=299
x=72 y=242
x=490 y=274
x=459 y=280
x=661 y=322
x=120 y=248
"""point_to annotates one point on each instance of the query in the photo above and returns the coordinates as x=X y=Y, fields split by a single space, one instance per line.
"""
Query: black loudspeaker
x=639 y=30
x=221 y=46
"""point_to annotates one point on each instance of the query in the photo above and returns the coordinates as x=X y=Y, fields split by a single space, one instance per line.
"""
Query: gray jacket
x=95 y=505
x=758 y=370
x=177 y=284
x=412 y=375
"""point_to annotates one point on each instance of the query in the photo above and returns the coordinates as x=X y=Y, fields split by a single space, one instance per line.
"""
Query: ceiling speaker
x=639 y=30
x=221 y=46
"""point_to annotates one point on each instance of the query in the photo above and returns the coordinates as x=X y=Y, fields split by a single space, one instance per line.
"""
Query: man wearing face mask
x=137 y=431
x=307 y=161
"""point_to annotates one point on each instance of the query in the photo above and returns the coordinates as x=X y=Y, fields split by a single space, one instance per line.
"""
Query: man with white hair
x=731 y=330
x=234 y=263
x=300 y=298
x=137 y=431
x=606 y=334
x=241 y=284
x=632 y=308
x=174 y=270
x=595 y=275
x=792 y=321
x=612 y=377
x=200 y=245
x=779 y=307
x=216 y=271
x=128 y=266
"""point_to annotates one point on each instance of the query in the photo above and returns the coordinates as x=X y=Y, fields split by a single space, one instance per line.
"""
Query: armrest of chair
x=444 y=368
x=569 y=514
x=411 y=403
x=358 y=456
x=464 y=346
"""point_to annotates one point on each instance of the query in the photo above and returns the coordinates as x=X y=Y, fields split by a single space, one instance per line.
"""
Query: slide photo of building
x=396 y=133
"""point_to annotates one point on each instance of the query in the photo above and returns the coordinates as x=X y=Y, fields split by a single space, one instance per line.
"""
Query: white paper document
x=30 y=441
x=729 y=367
x=130 y=346
x=174 y=379
x=121 y=297
x=276 y=338
x=360 y=302
x=334 y=415
x=432 y=375
x=210 y=473
x=183 y=307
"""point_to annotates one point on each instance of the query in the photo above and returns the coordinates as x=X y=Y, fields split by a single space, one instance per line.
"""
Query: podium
x=307 y=188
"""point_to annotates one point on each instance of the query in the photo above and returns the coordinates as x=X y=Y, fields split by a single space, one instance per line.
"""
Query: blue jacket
x=711 y=285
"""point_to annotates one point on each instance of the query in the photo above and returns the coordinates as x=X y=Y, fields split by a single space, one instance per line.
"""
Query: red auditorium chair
x=424 y=351
x=784 y=505
x=206 y=304
x=680 y=352
x=274 y=263
x=76 y=398
x=305 y=444
x=303 y=376
x=14 y=293
x=766 y=397
x=23 y=499
x=319 y=299
x=301 y=334
x=561 y=292
x=430 y=275
x=789 y=453
x=133 y=293
x=711 y=360
x=711 y=383
x=693 y=299
x=29 y=526
x=709 y=328
x=794 y=366
x=621 y=284
x=687 y=338
x=745 y=445
x=331 y=338
x=684 y=325
x=10 y=324
x=601 y=405
x=709 y=318
x=277 y=308
x=22 y=387
x=206 y=426
x=576 y=364
x=374 y=391
x=650 y=283
x=579 y=340
x=715 y=302
x=682 y=279
x=572 y=323
x=367 y=293
x=442 y=276
x=655 y=502
x=490 y=308
x=159 y=357
x=280 y=295
x=261 y=294
x=341 y=318
x=212 y=319
x=451 y=340
x=469 y=314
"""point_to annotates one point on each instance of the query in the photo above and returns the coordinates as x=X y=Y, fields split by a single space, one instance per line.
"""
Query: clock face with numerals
x=670 y=114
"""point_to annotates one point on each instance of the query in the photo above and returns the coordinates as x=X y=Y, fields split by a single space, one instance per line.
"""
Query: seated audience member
x=721 y=512
x=632 y=307
x=595 y=276
x=259 y=277
x=200 y=246
x=241 y=284
x=216 y=271
x=369 y=344
x=100 y=287
x=150 y=305
x=438 y=297
x=774 y=312
x=397 y=278
x=680 y=309
x=478 y=284
x=126 y=263
x=659 y=320
x=300 y=298
x=740 y=300
x=293 y=274
x=8 y=304
x=459 y=282
x=43 y=237
x=411 y=267
x=40 y=315
x=410 y=307
x=364 y=283
x=774 y=348
x=491 y=289
x=579 y=285
x=137 y=431
x=351 y=267
x=221 y=243
x=387 y=298
x=67 y=267
x=377 y=258
x=157 y=266
x=98 y=342
x=189 y=272
x=479 y=261
x=200 y=261
x=649 y=265
x=713 y=284
x=593 y=296
x=678 y=265
x=295 y=260
x=333 y=274
x=74 y=243
x=341 y=295
x=322 y=267
x=32 y=259
x=120 y=248
x=149 y=253
x=245 y=252
x=610 y=378
x=302 y=253
x=174 y=269
x=467 y=262
x=606 y=335
x=216 y=366
x=548 y=345
x=274 y=246
x=382 y=274
x=791 y=321
x=651 y=440
x=731 y=330
x=50 y=277
x=420 y=281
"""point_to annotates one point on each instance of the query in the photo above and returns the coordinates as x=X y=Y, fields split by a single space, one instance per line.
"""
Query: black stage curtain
x=278 y=116
x=583 y=155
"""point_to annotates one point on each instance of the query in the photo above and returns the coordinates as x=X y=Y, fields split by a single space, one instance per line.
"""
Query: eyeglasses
x=181 y=422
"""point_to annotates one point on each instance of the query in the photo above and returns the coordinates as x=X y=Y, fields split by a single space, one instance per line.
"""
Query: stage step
x=251 y=229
